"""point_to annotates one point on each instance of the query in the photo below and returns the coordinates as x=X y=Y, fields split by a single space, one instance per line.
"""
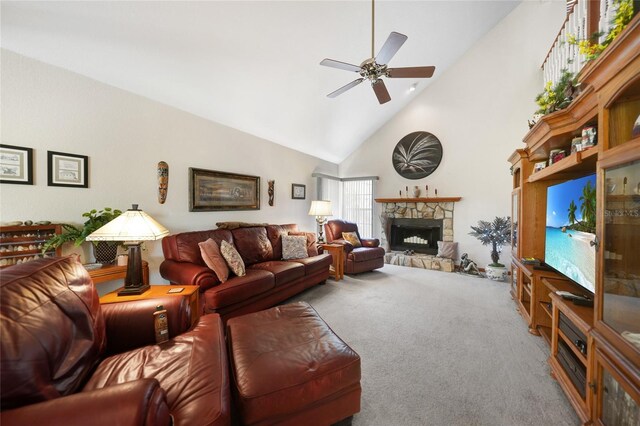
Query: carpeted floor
x=441 y=349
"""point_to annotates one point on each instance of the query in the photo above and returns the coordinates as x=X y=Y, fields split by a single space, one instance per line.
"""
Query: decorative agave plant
x=496 y=233
x=417 y=157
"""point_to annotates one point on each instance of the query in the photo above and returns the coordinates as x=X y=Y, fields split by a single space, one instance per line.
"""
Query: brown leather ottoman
x=289 y=368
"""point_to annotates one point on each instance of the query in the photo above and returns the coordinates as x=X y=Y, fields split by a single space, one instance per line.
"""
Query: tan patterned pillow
x=294 y=247
x=352 y=238
x=233 y=258
x=211 y=255
x=447 y=249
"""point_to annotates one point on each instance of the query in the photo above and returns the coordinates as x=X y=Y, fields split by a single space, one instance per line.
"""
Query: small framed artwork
x=68 y=170
x=16 y=164
x=539 y=166
x=210 y=190
x=298 y=192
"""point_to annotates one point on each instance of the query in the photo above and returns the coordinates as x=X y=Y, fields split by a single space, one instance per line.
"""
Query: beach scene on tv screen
x=571 y=226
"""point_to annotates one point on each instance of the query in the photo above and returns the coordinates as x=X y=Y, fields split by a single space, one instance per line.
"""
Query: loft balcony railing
x=584 y=18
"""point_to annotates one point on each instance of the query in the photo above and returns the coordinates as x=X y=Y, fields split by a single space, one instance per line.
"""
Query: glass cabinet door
x=515 y=198
x=621 y=257
x=618 y=401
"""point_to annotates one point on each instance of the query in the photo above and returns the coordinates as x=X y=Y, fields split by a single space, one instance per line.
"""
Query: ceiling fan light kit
x=374 y=68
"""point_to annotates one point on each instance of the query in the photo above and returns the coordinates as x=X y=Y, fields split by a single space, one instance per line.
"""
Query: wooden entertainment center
x=594 y=351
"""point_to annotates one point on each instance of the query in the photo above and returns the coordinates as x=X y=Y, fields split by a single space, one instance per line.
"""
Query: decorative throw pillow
x=447 y=249
x=213 y=258
x=294 y=247
x=233 y=258
x=352 y=238
x=312 y=248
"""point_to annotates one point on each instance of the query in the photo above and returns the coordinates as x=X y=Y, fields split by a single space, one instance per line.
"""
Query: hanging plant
x=555 y=98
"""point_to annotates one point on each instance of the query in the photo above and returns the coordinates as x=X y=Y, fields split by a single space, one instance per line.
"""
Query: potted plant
x=496 y=233
x=104 y=251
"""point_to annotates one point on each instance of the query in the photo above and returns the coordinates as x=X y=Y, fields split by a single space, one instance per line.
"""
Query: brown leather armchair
x=357 y=259
x=67 y=360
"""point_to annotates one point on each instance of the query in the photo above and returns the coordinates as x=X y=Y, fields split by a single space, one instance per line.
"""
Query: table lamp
x=320 y=209
x=133 y=227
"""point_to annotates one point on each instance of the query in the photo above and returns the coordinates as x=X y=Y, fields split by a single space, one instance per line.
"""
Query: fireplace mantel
x=418 y=200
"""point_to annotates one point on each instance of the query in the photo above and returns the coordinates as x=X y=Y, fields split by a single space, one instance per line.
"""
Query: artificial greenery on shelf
x=496 y=233
x=70 y=233
x=555 y=98
x=590 y=47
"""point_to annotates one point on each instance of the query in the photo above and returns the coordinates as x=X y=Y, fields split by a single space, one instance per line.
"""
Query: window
x=351 y=199
x=357 y=205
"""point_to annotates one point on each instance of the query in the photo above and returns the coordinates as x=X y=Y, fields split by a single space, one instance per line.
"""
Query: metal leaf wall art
x=417 y=155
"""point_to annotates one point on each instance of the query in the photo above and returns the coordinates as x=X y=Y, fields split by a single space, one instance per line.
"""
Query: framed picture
x=210 y=190
x=298 y=192
x=68 y=170
x=16 y=165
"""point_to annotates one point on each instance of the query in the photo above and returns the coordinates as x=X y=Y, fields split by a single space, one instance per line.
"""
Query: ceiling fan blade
x=411 y=72
x=390 y=47
x=381 y=91
x=344 y=88
x=340 y=65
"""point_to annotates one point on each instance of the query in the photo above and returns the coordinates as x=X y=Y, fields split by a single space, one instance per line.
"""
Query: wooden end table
x=337 y=252
x=191 y=292
x=115 y=272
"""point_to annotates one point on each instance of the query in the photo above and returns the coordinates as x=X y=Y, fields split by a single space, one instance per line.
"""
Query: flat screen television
x=571 y=227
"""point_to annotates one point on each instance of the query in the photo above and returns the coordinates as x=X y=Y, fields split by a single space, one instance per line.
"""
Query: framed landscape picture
x=298 y=192
x=68 y=170
x=16 y=165
x=210 y=190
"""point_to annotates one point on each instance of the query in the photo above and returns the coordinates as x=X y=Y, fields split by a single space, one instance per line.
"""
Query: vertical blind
x=357 y=205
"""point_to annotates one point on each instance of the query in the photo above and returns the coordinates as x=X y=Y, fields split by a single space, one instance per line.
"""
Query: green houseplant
x=95 y=219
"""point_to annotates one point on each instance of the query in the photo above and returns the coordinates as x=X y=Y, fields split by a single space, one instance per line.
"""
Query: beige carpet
x=441 y=349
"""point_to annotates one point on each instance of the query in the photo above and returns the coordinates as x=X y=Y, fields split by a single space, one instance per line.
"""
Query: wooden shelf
x=546 y=308
x=573 y=348
x=576 y=165
x=419 y=200
x=545 y=332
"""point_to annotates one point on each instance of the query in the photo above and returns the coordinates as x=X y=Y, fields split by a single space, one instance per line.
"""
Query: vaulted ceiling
x=253 y=66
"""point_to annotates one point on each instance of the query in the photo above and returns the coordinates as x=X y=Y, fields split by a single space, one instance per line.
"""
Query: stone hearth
x=424 y=261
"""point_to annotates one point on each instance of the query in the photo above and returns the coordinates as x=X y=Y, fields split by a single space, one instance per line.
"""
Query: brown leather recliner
x=67 y=360
x=357 y=259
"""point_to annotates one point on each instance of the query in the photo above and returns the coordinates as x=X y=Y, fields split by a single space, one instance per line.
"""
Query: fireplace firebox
x=419 y=235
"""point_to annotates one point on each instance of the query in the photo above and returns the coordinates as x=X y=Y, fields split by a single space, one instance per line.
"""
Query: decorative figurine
x=468 y=266
x=270 y=191
x=163 y=181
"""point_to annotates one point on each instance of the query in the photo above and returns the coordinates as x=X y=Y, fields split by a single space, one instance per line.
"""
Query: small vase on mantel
x=416 y=192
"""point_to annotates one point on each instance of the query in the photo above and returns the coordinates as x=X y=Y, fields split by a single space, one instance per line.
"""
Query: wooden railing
x=584 y=18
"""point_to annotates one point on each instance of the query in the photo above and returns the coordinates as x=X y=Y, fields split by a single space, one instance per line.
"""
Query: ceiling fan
x=374 y=68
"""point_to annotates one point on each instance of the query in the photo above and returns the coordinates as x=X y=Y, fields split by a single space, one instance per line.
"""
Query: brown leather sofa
x=67 y=360
x=357 y=259
x=269 y=280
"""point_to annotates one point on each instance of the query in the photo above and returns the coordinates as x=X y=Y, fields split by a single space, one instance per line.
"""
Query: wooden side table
x=337 y=252
x=191 y=292
x=115 y=272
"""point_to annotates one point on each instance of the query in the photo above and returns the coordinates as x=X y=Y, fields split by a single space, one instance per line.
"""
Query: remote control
x=582 y=301
x=566 y=294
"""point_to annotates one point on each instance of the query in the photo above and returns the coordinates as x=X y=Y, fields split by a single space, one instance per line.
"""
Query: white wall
x=479 y=111
x=125 y=136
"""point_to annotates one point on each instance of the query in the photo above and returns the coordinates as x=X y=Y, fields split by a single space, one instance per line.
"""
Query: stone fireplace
x=417 y=224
